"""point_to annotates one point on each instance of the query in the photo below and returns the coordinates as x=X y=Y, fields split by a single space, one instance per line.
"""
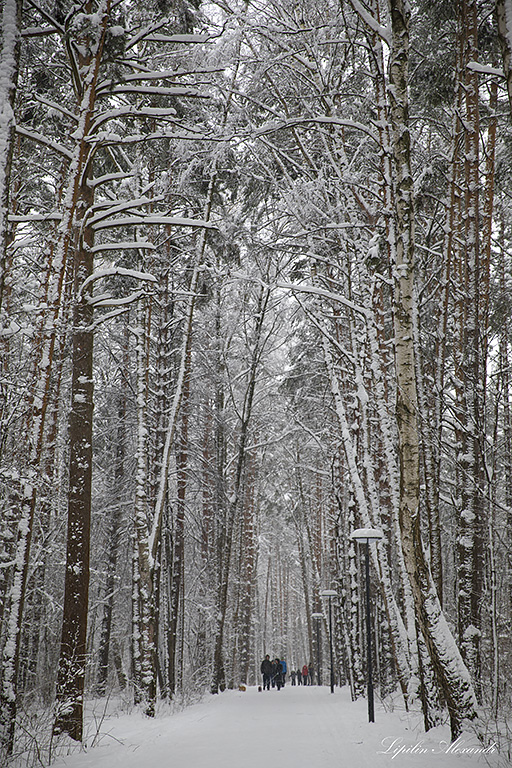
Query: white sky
x=297 y=727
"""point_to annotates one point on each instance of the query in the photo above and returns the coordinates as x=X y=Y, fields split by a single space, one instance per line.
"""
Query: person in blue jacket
x=284 y=668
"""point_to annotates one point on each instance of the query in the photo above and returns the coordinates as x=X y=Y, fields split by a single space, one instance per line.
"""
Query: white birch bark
x=142 y=600
x=10 y=24
x=448 y=663
x=504 y=16
x=471 y=524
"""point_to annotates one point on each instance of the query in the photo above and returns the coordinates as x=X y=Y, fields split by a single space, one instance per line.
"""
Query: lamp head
x=367 y=534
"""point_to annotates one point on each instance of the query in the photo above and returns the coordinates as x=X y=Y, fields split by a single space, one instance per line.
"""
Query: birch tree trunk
x=10 y=27
x=178 y=552
x=470 y=536
x=143 y=586
x=115 y=514
x=504 y=18
x=448 y=663
x=248 y=558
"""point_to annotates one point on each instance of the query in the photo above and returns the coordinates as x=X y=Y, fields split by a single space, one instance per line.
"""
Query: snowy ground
x=296 y=727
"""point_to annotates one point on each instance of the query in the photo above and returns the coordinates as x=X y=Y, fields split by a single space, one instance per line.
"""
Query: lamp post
x=318 y=617
x=330 y=593
x=364 y=536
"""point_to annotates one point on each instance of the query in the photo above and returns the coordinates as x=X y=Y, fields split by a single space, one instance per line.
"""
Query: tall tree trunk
x=72 y=662
x=178 y=553
x=472 y=365
x=143 y=608
x=448 y=663
x=113 y=546
x=248 y=557
x=72 y=659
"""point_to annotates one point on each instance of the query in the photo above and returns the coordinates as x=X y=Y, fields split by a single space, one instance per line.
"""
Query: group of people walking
x=303 y=676
x=274 y=674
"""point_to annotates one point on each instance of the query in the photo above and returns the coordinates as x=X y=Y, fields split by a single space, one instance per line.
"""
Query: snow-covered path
x=294 y=728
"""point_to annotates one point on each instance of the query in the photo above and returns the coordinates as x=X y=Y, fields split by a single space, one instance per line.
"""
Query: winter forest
x=255 y=293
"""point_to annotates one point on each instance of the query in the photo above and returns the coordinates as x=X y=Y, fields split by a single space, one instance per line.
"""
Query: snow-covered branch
x=34 y=136
x=383 y=32
x=278 y=125
x=101 y=273
x=137 y=221
x=124 y=245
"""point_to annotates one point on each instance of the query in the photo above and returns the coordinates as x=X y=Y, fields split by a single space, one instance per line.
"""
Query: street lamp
x=318 y=617
x=364 y=536
x=330 y=593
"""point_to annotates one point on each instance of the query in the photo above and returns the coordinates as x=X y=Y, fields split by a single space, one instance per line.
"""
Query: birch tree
x=9 y=64
x=452 y=673
x=504 y=21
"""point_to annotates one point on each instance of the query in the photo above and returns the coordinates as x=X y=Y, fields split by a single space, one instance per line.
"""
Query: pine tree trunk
x=72 y=662
x=80 y=237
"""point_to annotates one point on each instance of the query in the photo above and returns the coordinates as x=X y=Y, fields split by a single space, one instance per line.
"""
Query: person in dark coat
x=278 y=674
x=293 y=676
x=266 y=671
x=299 y=677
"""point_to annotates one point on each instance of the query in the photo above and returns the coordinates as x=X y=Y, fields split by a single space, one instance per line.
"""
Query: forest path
x=297 y=727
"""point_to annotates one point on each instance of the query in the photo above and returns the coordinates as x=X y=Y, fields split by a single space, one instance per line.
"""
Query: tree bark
x=73 y=651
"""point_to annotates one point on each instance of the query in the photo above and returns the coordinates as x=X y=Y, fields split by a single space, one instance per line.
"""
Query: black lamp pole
x=330 y=645
x=330 y=593
x=364 y=536
x=371 y=709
